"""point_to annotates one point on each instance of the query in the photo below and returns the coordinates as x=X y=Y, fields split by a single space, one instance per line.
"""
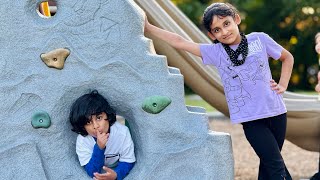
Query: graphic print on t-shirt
x=258 y=70
x=234 y=90
x=240 y=80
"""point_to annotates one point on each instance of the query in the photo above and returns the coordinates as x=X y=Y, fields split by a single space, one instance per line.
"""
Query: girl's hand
x=102 y=139
x=277 y=87
x=109 y=175
x=146 y=23
x=317 y=88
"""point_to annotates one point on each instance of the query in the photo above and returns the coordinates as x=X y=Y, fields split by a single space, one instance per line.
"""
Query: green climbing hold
x=155 y=104
x=40 y=119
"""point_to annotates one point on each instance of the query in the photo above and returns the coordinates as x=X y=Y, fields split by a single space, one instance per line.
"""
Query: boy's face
x=97 y=124
x=225 y=29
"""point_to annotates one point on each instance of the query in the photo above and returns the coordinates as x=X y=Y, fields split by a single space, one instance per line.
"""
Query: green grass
x=306 y=92
x=191 y=101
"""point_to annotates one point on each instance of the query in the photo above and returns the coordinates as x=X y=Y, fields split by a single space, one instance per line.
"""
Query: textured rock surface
x=108 y=52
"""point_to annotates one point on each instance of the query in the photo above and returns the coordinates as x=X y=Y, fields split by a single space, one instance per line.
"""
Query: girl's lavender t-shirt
x=247 y=87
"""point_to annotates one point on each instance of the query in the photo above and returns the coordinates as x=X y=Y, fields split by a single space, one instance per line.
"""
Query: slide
x=303 y=110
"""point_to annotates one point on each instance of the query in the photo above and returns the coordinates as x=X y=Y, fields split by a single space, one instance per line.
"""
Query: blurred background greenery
x=292 y=23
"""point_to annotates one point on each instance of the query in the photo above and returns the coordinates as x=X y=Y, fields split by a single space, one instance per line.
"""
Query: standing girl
x=254 y=98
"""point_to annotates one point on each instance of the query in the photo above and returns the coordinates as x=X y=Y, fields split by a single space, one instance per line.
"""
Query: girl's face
x=225 y=29
x=98 y=124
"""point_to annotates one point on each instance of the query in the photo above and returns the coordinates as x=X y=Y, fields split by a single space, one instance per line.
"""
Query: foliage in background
x=194 y=100
x=292 y=23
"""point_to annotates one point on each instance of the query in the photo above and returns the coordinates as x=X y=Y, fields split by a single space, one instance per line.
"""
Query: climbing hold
x=155 y=104
x=40 y=119
x=55 y=58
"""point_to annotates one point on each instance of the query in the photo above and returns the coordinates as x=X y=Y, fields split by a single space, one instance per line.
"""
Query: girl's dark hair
x=217 y=9
x=86 y=106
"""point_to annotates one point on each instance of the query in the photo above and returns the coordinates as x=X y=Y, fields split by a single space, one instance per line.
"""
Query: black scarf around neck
x=242 y=49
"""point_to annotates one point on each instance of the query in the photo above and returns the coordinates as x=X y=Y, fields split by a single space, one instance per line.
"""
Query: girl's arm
x=286 y=69
x=172 y=39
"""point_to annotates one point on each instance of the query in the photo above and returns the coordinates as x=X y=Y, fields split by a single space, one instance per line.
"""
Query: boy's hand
x=109 y=175
x=277 y=87
x=102 y=139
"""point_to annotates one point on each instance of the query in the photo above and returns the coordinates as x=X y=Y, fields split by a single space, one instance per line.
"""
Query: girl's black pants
x=266 y=137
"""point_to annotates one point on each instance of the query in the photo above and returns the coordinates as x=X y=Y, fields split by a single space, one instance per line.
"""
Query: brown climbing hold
x=55 y=58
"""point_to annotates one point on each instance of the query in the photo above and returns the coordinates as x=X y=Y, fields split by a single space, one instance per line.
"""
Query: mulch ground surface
x=300 y=163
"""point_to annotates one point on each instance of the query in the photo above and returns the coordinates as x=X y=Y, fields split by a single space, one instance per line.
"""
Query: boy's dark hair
x=87 y=105
x=217 y=9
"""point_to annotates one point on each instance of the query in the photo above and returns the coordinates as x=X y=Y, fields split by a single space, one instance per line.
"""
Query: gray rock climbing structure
x=108 y=52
